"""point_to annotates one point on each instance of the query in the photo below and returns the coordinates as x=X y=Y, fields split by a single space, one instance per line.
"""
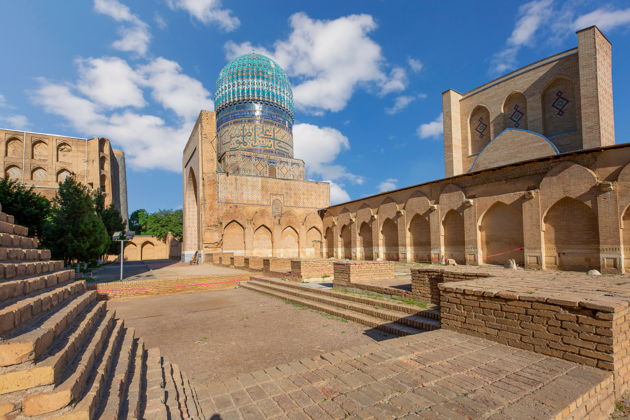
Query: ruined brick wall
x=425 y=282
x=237 y=261
x=254 y=263
x=347 y=272
x=302 y=270
x=276 y=265
x=577 y=330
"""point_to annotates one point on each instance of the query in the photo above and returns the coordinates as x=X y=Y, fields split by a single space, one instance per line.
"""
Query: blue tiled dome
x=253 y=78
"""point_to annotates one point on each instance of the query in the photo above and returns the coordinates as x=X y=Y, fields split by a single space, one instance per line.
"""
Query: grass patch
x=324 y=314
x=378 y=296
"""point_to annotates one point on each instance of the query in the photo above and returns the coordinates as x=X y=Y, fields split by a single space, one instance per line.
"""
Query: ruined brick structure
x=244 y=193
x=43 y=160
x=550 y=192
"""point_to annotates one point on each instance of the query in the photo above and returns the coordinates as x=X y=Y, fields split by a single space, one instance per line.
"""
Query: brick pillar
x=354 y=239
x=401 y=223
x=608 y=220
x=595 y=65
x=471 y=233
x=437 y=237
x=249 y=238
x=376 y=240
x=533 y=231
x=452 y=133
x=276 y=237
x=335 y=229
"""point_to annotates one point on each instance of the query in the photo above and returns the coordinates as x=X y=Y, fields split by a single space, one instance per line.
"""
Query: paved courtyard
x=219 y=334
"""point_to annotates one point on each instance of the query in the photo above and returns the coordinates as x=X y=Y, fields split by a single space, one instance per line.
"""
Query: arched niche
x=515 y=111
x=479 y=129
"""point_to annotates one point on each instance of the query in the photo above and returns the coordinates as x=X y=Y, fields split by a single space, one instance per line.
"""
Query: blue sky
x=367 y=75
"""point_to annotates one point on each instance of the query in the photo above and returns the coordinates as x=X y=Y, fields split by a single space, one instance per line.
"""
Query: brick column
x=471 y=233
x=401 y=223
x=608 y=220
x=533 y=231
x=452 y=133
x=354 y=239
x=376 y=240
x=437 y=237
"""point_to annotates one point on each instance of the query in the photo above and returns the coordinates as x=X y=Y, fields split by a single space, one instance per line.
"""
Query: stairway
x=386 y=315
x=64 y=355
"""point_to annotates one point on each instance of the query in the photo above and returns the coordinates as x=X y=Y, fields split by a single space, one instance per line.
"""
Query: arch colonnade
x=554 y=213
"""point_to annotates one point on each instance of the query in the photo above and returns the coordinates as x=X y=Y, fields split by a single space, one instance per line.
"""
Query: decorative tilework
x=516 y=116
x=481 y=127
x=560 y=103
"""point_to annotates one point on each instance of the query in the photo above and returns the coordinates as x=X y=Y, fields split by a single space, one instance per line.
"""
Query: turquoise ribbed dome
x=253 y=78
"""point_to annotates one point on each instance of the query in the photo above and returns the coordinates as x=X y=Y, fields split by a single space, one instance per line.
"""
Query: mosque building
x=244 y=192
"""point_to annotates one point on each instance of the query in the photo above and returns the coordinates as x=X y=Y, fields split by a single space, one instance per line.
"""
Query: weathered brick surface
x=276 y=265
x=237 y=261
x=424 y=282
x=225 y=258
x=583 y=322
x=306 y=269
x=254 y=263
x=347 y=272
x=439 y=374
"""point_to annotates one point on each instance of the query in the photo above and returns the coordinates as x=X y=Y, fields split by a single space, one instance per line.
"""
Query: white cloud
x=174 y=90
x=531 y=16
x=319 y=147
x=400 y=103
x=431 y=129
x=15 y=121
x=135 y=34
x=337 y=193
x=605 y=18
x=3 y=101
x=110 y=81
x=160 y=21
x=149 y=141
x=329 y=59
x=415 y=64
x=388 y=185
x=207 y=11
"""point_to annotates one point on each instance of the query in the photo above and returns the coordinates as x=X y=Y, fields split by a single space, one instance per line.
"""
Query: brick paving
x=440 y=374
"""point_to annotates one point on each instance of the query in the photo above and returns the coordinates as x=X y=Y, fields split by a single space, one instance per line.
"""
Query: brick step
x=70 y=345
x=14 y=313
x=431 y=312
x=370 y=321
x=4 y=217
x=9 y=240
x=18 y=270
x=132 y=406
x=71 y=381
x=374 y=310
x=155 y=394
x=22 y=254
x=118 y=380
x=33 y=341
x=13 y=229
x=15 y=288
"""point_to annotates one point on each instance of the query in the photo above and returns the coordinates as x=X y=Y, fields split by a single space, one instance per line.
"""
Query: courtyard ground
x=154 y=269
x=218 y=334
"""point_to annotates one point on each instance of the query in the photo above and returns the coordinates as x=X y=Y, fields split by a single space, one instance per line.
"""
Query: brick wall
x=302 y=270
x=346 y=272
x=424 y=282
x=152 y=287
x=578 y=330
x=276 y=265
x=237 y=261
x=224 y=259
x=254 y=263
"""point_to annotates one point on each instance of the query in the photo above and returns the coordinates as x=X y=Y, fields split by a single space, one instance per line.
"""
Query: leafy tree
x=162 y=222
x=138 y=220
x=74 y=230
x=29 y=208
x=113 y=221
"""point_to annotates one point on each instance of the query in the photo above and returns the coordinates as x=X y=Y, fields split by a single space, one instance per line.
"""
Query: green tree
x=29 y=208
x=74 y=230
x=160 y=223
x=113 y=221
x=138 y=220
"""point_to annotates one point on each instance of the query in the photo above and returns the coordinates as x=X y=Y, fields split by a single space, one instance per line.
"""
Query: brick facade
x=308 y=269
x=425 y=282
x=348 y=272
x=276 y=265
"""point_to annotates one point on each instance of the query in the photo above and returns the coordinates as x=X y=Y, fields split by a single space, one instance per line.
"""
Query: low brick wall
x=424 y=282
x=153 y=287
x=225 y=258
x=237 y=261
x=276 y=265
x=254 y=263
x=302 y=270
x=578 y=329
x=347 y=272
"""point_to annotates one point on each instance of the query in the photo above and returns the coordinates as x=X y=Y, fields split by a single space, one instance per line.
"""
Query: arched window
x=272 y=171
x=479 y=129
x=14 y=148
x=40 y=150
x=63 y=152
x=38 y=174
x=62 y=175
x=13 y=172
x=515 y=111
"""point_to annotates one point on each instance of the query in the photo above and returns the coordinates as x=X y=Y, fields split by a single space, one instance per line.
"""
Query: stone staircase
x=386 y=315
x=64 y=355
